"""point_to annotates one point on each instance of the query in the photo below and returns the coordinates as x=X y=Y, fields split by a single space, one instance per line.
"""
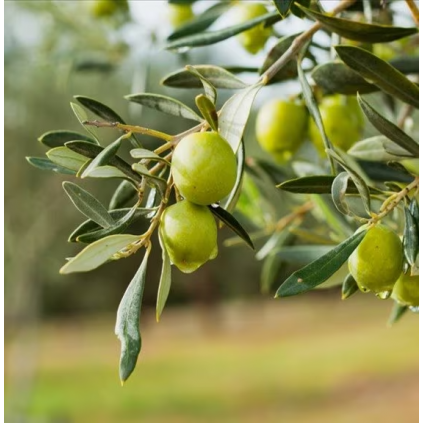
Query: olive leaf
x=217 y=76
x=105 y=112
x=127 y=326
x=143 y=154
x=319 y=271
x=58 y=138
x=398 y=310
x=208 y=110
x=90 y=226
x=349 y=287
x=209 y=89
x=46 y=164
x=359 y=31
x=122 y=195
x=165 y=280
x=213 y=37
x=339 y=191
x=107 y=172
x=234 y=115
x=411 y=238
x=283 y=6
x=376 y=149
x=231 y=223
x=104 y=157
x=164 y=104
x=98 y=253
x=82 y=117
x=201 y=21
x=88 y=205
x=92 y=151
x=117 y=228
x=380 y=73
x=388 y=129
x=67 y=158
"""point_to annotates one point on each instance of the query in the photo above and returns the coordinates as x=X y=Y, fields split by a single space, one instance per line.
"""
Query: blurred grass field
x=308 y=359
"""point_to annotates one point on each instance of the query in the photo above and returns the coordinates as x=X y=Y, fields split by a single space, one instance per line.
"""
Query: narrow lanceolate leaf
x=54 y=139
x=319 y=184
x=231 y=223
x=200 y=22
x=97 y=253
x=380 y=73
x=213 y=37
x=374 y=149
x=209 y=89
x=339 y=191
x=107 y=172
x=349 y=287
x=289 y=71
x=165 y=281
x=414 y=210
x=234 y=115
x=411 y=238
x=103 y=158
x=67 y=158
x=388 y=129
x=164 y=104
x=398 y=310
x=91 y=226
x=362 y=187
x=233 y=197
x=337 y=77
x=88 y=205
x=117 y=228
x=127 y=326
x=283 y=6
x=105 y=112
x=311 y=102
x=156 y=181
x=143 y=154
x=92 y=151
x=217 y=76
x=319 y=271
x=46 y=164
x=208 y=110
x=82 y=116
x=359 y=31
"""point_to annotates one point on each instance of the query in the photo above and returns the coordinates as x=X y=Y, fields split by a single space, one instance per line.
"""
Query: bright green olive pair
x=204 y=172
x=281 y=126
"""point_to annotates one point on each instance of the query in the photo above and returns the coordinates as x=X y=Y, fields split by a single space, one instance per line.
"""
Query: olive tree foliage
x=375 y=180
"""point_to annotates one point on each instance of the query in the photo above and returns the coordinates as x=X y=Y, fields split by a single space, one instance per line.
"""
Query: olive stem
x=393 y=201
x=298 y=43
x=414 y=10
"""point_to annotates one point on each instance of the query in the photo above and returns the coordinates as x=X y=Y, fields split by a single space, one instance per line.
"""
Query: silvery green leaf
x=67 y=158
x=165 y=281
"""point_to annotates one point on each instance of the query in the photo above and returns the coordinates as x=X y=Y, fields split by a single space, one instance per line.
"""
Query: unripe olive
x=281 y=128
x=406 y=290
x=376 y=263
x=189 y=234
x=204 y=168
x=104 y=8
x=254 y=39
x=179 y=14
x=343 y=122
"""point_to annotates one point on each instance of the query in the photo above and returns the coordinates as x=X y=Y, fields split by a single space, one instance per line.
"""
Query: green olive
x=281 y=128
x=254 y=39
x=204 y=168
x=406 y=290
x=343 y=122
x=189 y=234
x=104 y=8
x=179 y=14
x=376 y=263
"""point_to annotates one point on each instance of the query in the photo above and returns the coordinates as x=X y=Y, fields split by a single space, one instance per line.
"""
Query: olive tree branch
x=414 y=10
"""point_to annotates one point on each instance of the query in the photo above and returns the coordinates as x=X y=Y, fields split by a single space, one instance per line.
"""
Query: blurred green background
x=222 y=352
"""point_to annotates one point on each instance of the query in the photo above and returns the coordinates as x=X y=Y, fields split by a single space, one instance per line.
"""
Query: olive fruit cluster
x=281 y=128
x=204 y=172
x=343 y=122
x=254 y=39
x=377 y=263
